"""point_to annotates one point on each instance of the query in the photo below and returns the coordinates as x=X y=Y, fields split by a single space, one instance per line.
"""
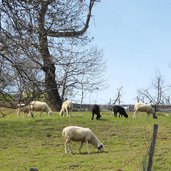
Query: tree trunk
x=51 y=87
x=50 y=81
x=49 y=66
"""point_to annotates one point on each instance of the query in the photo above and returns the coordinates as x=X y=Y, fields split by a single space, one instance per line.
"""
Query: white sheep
x=142 y=107
x=39 y=106
x=67 y=107
x=80 y=134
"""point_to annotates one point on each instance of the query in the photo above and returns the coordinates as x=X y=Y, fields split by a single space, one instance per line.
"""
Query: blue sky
x=135 y=36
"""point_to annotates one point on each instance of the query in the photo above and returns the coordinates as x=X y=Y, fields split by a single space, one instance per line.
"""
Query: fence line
x=150 y=152
x=129 y=107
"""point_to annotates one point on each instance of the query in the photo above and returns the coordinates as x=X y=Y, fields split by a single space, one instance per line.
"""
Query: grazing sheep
x=80 y=134
x=120 y=110
x=142 y=107
x=96 y=111
x=39 y=106
x=67 y=107
x=22 y=108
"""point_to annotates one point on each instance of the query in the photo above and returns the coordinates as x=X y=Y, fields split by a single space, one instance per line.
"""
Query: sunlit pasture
x=38 y=143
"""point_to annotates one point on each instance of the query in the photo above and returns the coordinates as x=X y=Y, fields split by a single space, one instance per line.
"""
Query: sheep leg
x=31 y=114
x=41 y=113
x=67 y=147
x=92 y=116
x=67 y=112
x=64 y=112
x=115 y=114
x=80 y=147
x=134 y=116
x=87 y=147
x=154 y=116
x=61 y=112
x=98 y=116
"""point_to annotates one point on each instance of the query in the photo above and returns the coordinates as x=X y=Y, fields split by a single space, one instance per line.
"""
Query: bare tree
x=17 y=74
x=118 y=96
x=157 y=94
x=82 y=71
x=34 y=29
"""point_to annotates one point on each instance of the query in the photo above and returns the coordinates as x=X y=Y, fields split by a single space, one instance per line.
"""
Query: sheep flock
x=77 y=133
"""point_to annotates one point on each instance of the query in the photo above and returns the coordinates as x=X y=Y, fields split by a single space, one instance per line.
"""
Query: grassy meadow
x=37 y=143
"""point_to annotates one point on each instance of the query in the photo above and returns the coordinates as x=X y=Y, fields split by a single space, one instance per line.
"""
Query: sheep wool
x=142 y=107
x=80 y=134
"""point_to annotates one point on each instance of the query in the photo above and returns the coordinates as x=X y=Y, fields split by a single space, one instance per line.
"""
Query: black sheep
x=120 y=110
x=96 y=111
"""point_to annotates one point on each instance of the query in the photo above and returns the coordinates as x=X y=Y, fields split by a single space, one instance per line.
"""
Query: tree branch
x=74 y=33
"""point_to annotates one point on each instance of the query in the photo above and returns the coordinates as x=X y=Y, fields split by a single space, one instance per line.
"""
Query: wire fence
x=147 y=161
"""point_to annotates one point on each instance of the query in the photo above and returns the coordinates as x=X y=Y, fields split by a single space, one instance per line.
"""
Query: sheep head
x=100 y=148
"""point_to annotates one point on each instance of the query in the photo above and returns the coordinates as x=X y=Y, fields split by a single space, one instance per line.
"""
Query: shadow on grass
x=85 y=153
x=103 y=119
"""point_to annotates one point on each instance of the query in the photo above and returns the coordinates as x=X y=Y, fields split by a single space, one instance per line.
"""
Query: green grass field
x=37 y=143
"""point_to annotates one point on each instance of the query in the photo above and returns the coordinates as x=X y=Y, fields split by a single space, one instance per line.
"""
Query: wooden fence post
x=152 y=147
